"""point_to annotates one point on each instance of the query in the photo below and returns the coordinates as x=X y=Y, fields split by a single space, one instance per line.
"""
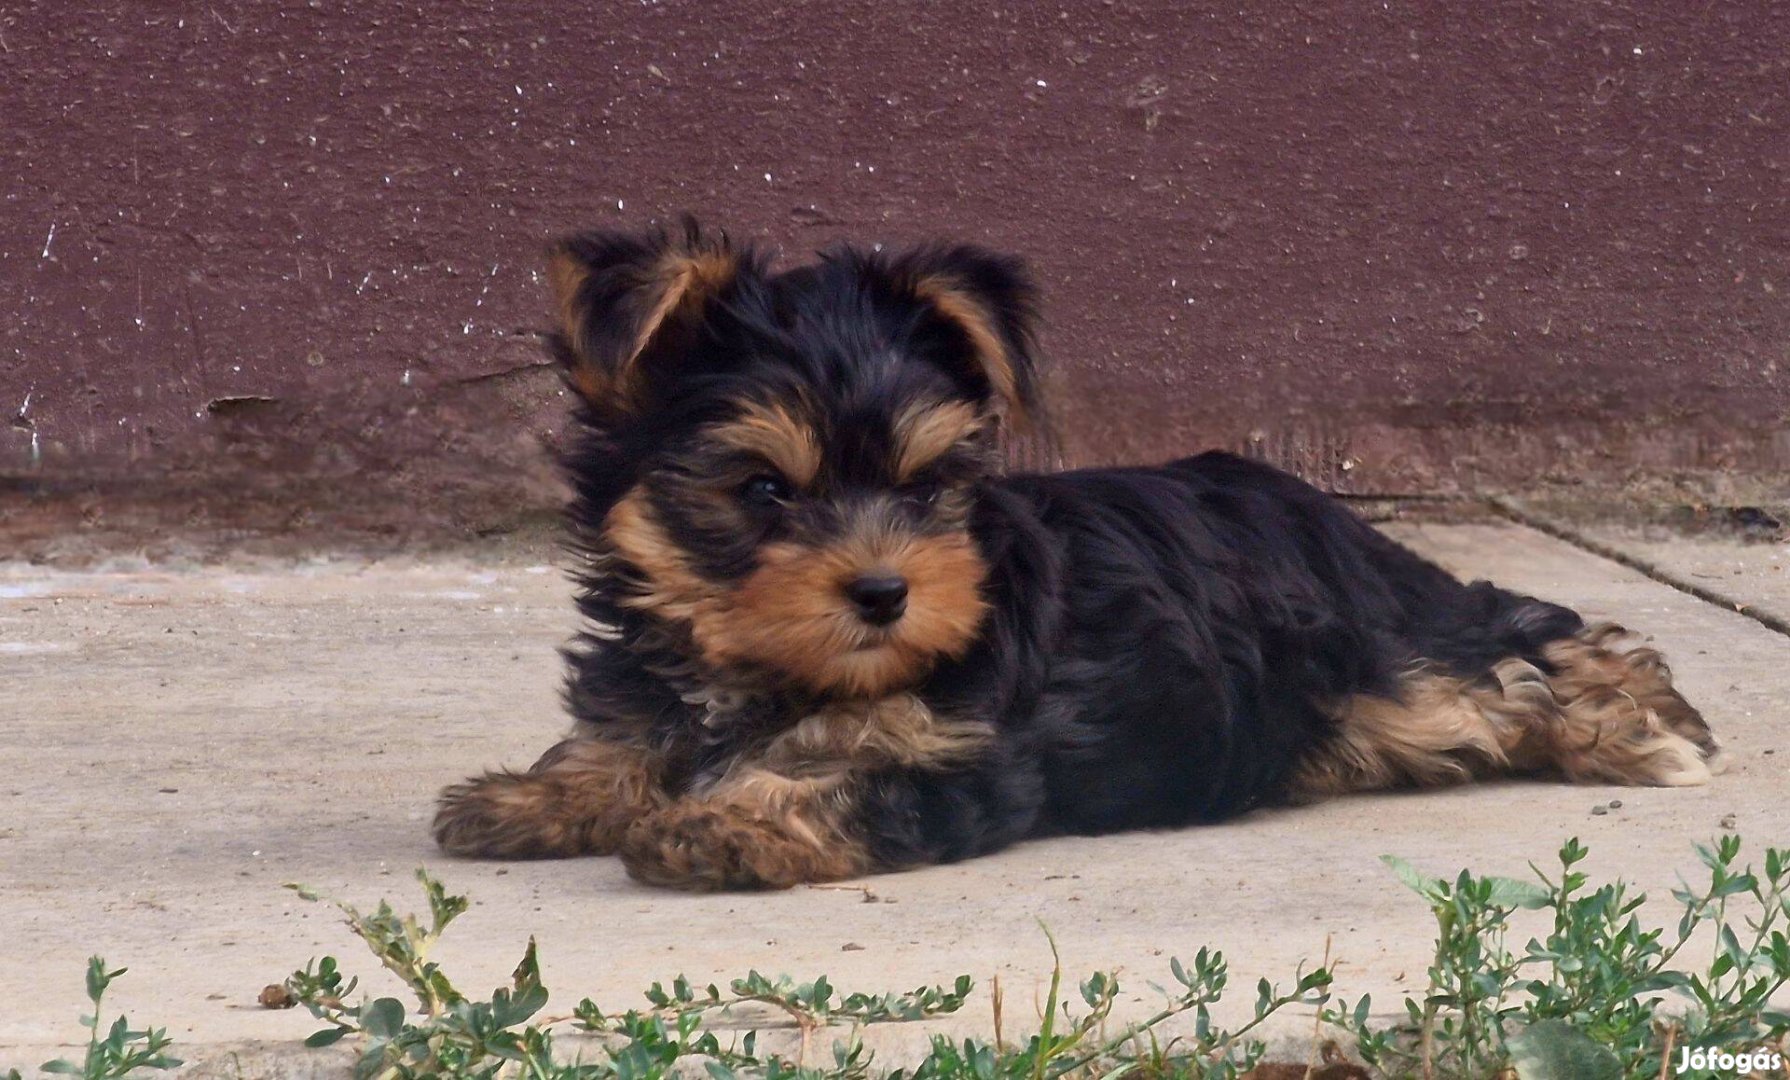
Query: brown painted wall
x=1401 y=246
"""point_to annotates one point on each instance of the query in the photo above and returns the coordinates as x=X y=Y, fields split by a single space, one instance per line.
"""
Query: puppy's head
x=784 y=464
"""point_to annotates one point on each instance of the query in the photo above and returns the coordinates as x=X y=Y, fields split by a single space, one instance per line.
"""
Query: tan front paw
x=705 y=848
x=507 y=816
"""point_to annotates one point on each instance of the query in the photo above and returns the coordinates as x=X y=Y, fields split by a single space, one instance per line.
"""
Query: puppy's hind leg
x=1621 y=720
x=578 y=799
x=1597 y=715
x=1437 y=729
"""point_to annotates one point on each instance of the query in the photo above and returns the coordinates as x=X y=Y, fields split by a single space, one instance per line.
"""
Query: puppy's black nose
x=880 y=598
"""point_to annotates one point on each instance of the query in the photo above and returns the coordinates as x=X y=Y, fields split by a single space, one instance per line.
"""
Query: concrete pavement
x=176 y=744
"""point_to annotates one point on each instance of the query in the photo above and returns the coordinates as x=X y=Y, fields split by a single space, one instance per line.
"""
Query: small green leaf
x=1555 y=1050
x=1180 y=973
x=98 y=978
x=383 y=1018
x=326 y=1037
x=1430 y=888
x=528 y=970
x=1514 y=893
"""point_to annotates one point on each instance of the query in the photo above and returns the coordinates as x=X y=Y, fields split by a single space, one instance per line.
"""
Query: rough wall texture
x=1401 y=247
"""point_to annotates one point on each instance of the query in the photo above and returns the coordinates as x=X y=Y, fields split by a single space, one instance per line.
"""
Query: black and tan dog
x=827 y=636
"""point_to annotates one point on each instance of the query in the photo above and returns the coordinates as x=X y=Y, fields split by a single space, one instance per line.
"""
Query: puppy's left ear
x=990 y=301
x=631 y=306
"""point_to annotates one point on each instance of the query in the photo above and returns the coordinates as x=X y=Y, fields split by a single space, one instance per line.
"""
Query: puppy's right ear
x=629 y=306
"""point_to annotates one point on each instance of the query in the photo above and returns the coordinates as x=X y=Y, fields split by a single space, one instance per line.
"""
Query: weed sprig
x=1600 y=995
x=121 y=1051
x=449 y=1035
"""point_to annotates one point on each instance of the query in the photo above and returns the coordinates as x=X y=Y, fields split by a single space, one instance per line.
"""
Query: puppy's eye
x=765 y=491
x=922 y=492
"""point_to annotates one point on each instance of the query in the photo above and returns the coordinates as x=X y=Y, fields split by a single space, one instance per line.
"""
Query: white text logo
x=1703 y=1059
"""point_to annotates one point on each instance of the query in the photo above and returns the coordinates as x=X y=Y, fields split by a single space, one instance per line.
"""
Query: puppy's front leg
x=755 y=830
x=578 y=799
x=815 y=804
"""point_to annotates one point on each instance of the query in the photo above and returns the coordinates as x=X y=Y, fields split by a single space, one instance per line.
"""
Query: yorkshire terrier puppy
x=827 y=636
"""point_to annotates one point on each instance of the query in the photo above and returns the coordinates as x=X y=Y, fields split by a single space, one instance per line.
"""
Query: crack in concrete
x=518 y=369
x=1560 y=531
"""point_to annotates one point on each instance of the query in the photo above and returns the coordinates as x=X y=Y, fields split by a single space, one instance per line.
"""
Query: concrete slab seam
x=1566 y=533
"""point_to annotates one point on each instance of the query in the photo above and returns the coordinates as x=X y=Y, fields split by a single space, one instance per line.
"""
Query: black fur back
x=1202 y=615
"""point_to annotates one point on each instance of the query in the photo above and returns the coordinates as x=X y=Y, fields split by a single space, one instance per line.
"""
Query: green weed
x=448 y=1035
x=120 y=1051
x=1599 y=995
x=1602 y=995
